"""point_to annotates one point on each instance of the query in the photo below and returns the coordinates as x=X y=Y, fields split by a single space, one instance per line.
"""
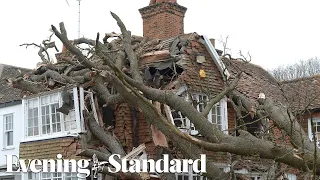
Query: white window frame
x=316 y=120
x=253 y=174
x=69 y=175
x=187 y=126
x=34 y=176
x=224 y=167
x=190 y=174
x=63 y=118
x=291 y=176
x=33 y=106
x=52 y=176
x=223 y=113
x=7 y=130
x=40 y=176
x=47 y=108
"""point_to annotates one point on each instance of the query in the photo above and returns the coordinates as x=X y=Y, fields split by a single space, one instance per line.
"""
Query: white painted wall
x=17 y=112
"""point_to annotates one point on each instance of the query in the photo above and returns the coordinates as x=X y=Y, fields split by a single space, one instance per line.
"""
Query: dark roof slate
x=8 y=93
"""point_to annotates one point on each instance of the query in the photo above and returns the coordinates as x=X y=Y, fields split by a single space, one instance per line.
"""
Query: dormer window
x=217 y=115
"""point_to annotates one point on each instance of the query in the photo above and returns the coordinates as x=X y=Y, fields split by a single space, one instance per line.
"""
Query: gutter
x=12 y=103
x=214 y=55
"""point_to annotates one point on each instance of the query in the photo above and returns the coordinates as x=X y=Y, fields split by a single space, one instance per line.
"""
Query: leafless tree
x=301 y=69
x=116 y=63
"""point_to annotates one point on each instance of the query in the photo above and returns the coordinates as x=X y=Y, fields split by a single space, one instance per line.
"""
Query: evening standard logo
x=84 y=167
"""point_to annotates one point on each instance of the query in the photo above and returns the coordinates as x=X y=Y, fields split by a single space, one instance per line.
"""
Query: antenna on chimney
x=79 y=15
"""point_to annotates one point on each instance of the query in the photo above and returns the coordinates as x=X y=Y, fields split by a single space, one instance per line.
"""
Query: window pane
x=317 y=129
x=32 y=121
x=218 y=119
x=30 y=131
x=29 y=175
x=71 y=176
x=58 y=116
x=33 y=176
x=46 y=175
x=35 y=112
x=35 y=121
x=183 y=177
x=218 y=110
x=55 y=117
x=30 y=113
x=9 y=138
x=54 y=98
x=214 y=118
x=214 y=110
x=196 y=177
x=45 y=119
x=56 y=174
x=35 y=131
x=43 y=110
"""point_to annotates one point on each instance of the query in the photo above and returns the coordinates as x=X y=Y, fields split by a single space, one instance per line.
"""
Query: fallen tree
x=116 y=64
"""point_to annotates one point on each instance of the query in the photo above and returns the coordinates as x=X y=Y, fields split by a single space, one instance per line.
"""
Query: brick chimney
x=163 y=19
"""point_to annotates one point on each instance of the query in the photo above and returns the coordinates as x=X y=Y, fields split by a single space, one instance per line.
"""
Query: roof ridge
x=14 y=66
x=301 y=79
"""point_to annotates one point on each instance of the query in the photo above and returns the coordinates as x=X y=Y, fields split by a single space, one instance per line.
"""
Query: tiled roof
x=256 y=80
x=303 y=92
x=253 y=164
x=8 y=93
x=298 y=94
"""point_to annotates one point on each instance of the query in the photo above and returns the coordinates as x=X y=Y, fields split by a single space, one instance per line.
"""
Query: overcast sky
x=275 y=32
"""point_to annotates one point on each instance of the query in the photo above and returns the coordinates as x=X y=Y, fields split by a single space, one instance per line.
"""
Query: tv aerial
x=79 y=15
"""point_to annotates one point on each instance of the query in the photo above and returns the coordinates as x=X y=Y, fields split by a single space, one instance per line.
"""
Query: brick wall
x=124 y=126
x=125 y=133
x=163 y=20
x=231 y=119
x=67 y=146
x=213 y=82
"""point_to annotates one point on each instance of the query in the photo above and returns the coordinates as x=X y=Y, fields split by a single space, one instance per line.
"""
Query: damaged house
x=70 y=108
